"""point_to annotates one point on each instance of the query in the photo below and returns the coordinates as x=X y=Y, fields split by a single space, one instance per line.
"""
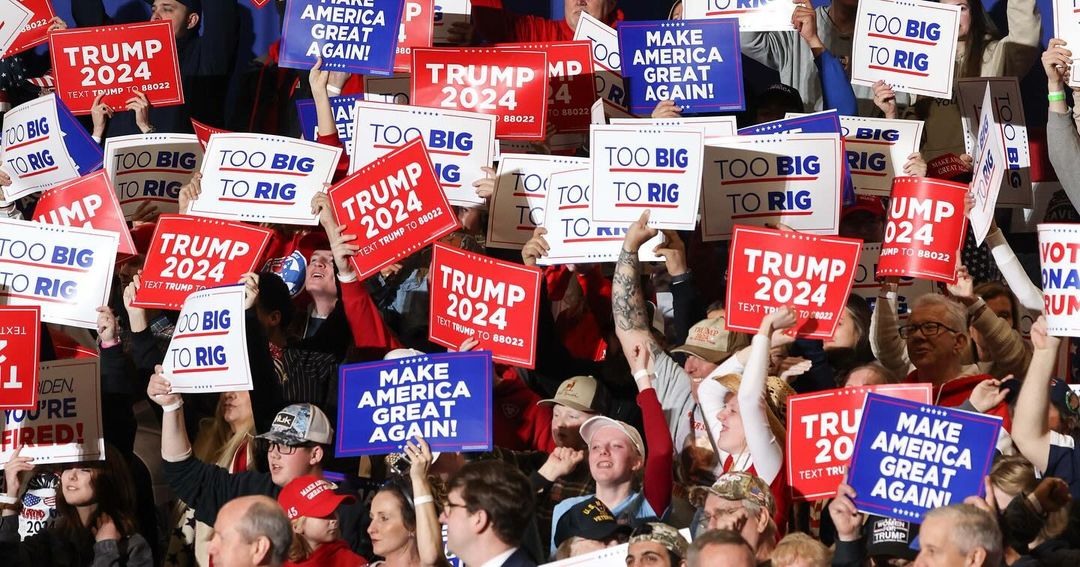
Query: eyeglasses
x=928 y=329
x=448 y=506
x=707 y=518
x=285 y=450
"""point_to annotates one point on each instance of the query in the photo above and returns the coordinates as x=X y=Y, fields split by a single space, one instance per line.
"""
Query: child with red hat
x=311 y=504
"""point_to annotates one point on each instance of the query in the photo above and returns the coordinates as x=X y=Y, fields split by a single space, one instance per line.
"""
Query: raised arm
x=428 y=530
x=1025 y=36
x=1062 y=139
x=627 y=300
x=661 y=452
x=1031 y=429
x=765 y=449
x=1004 y=344
x=1029 y=294
x=885 y=341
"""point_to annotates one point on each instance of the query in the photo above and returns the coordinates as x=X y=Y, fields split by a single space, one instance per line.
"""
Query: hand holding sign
x=342 y=248
x=639 y=232
x=847 y=519
x=780 y=319
x=1056 y=61
x=13 y=472
x=1041 y=338
x=536 y=247
x=160 y=389
x=189 y=193
x=137 y=318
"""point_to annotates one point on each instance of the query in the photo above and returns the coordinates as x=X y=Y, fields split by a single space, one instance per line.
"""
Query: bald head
x=250 y=531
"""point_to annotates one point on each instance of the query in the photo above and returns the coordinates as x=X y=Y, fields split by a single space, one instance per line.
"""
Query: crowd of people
x=646 y=420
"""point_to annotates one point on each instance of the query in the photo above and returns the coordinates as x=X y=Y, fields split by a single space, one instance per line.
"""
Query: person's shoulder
x=520 y=558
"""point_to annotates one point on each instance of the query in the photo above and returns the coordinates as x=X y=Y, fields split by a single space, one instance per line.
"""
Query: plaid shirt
x=548 y=494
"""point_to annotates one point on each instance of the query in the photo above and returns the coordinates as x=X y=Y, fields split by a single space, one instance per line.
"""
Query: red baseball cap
x=312 y=497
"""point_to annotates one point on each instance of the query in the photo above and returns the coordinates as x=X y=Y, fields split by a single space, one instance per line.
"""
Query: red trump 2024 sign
x=769 y=269
x=116 y=61
x=492 y=301
x=393 y=205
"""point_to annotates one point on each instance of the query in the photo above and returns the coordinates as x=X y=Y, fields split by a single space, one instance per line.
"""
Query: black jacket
x=206 y=488
x=206 y=60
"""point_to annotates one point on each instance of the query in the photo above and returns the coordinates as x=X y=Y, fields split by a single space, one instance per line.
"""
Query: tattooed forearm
x=627 y=301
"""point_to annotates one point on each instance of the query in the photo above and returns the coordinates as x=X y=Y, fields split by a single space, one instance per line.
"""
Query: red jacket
x=520 y=424
x=336 y=554
x=955 y=392
x=583 y=334
x=496 y=25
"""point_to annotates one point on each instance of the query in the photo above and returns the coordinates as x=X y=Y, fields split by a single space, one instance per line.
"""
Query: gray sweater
x=792 y=58
x=1063 y=142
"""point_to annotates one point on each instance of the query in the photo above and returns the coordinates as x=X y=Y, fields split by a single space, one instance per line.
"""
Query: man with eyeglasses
x=488 y=508
x=932 y=348
x=296 y=445
x=741 y=503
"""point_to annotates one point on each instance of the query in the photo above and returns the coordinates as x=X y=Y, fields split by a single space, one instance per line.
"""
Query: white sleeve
x=885 y=341
x=1030 y=296
x=729 y=366
x=765 y=449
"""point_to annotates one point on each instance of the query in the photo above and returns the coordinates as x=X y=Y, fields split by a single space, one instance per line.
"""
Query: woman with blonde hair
x=799 y=549
x=224 y=440
x=745 y=414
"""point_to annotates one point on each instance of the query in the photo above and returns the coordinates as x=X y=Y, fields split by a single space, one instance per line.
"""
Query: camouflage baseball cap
x=663 y=534
x=298 y=424
x=738 y=486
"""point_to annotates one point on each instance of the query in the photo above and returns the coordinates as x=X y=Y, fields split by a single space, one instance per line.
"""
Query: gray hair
x=972 y=528
x=955 y=314
x=265 y=518
x=714 y=537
